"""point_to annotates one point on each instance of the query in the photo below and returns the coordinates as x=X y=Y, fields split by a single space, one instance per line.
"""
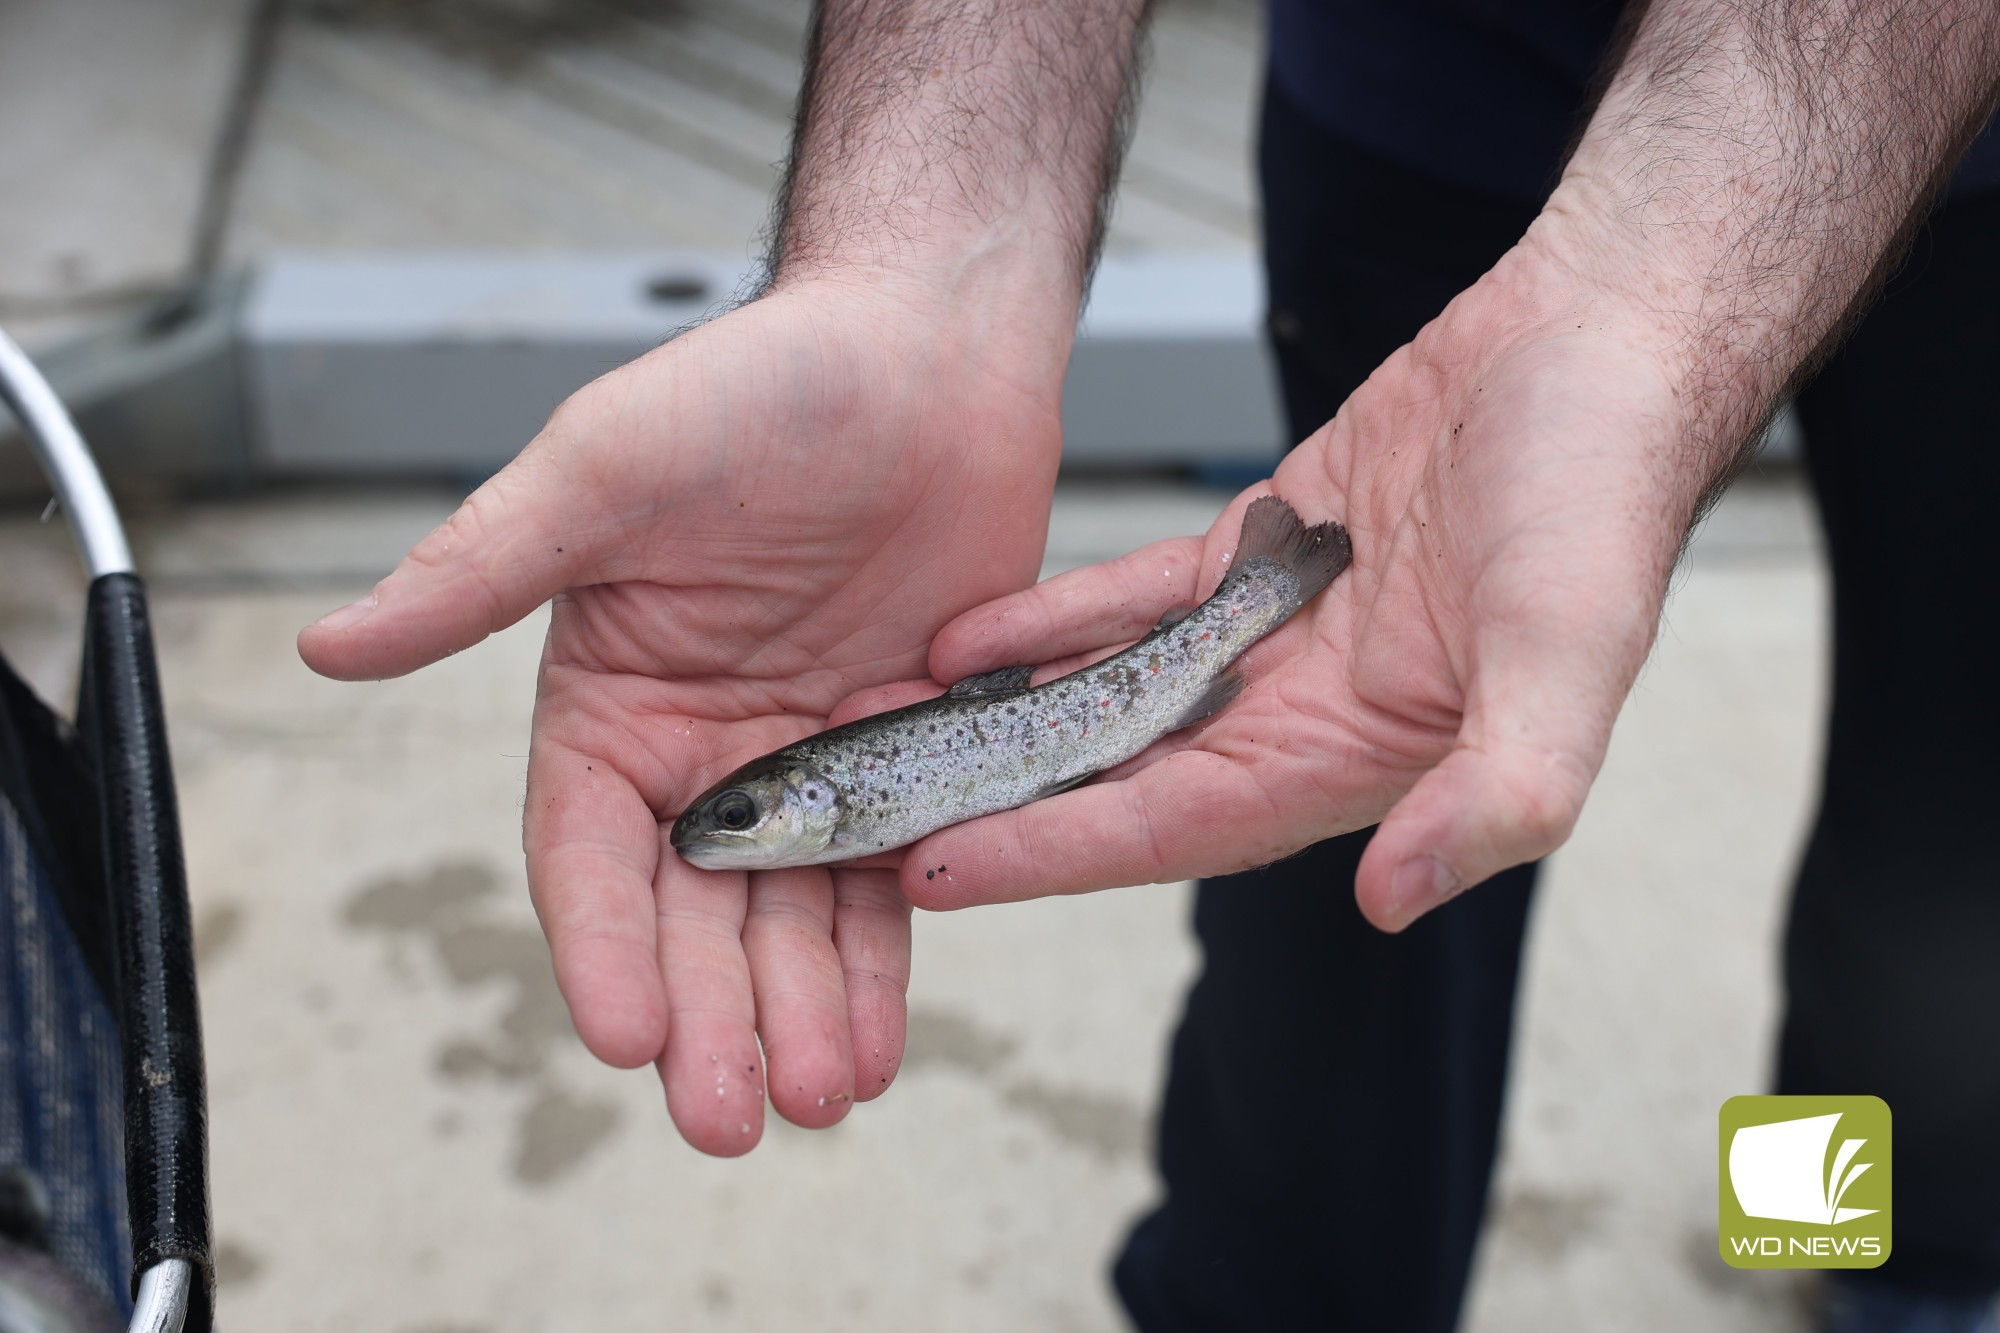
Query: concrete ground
x=407 y=1136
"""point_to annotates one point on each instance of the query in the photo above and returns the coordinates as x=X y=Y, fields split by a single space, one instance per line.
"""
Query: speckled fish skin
x=992 y=744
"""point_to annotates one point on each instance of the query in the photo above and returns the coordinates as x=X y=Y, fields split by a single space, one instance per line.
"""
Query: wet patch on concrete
x=236 y=1264
x=1787 y=1298
x=716 y=1295
x=217 y=928
x=451 y=909
x=947 y=1037
x=420 y=903
x=1109 y=1126
x=1546 y=1224
x=455 y=911
x=558 y=1132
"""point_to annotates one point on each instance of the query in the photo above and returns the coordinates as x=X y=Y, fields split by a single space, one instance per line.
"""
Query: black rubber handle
x=166 y=1115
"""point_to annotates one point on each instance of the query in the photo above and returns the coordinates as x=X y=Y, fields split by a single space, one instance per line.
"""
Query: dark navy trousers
x=1332 y=1106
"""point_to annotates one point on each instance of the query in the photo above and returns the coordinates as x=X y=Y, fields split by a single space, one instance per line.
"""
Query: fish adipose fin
x=1175 y=614
x=1316 y=555
x=1007 y=680
x=1214 y=699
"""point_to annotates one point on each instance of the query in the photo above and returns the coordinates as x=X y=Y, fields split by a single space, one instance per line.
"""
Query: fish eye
x=734 y=810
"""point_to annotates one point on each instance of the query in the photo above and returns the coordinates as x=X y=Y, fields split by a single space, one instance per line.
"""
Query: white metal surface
x=65 y=460
x=162 y=1305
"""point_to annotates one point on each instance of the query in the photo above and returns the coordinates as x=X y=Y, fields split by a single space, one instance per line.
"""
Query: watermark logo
x=1804 y=1182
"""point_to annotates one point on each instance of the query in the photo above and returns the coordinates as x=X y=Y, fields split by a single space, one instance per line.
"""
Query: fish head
x=770 y=813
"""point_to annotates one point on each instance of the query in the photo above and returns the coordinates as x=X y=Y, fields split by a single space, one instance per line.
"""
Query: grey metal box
x=453 y=361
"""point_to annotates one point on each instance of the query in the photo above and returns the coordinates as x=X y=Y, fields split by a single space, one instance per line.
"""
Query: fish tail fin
x=1315 y=555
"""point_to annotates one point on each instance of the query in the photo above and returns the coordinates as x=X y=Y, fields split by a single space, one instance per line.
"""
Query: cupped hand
x=739 y=529
x=1516 y=498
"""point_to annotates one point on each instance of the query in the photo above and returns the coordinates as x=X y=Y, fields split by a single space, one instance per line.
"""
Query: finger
x=1071 y=613
x=592 y=844
x=1509 y=792
x=871 y=931
x=712 y=1068
x=801 y=996
x=888 y=860
x=516 y=542
x=880 y=699
x=1192 y=813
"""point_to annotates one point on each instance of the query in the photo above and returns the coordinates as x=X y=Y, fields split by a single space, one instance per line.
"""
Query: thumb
x=1509 y=792
x=513 y=544
x=1074 y=612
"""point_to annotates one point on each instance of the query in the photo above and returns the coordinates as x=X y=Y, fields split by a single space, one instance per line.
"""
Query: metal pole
x=162 y=1305
x=166 y=1288
x=71 y=471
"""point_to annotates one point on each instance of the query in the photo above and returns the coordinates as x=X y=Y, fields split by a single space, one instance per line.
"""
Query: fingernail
x=1419 y=884
x=347 y=617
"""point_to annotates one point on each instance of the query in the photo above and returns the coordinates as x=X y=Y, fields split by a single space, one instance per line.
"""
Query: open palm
x=739 y=530
x=1513 y=529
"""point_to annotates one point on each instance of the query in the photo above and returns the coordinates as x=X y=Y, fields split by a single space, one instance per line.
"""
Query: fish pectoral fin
x=1214 y=699
x=1007 y=680
x=1055 y=788
x=1175 y=614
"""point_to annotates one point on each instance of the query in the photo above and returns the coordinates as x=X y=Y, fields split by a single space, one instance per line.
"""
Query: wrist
x=1726 y=350
x=955 y=156
x=995 y=303
x=1565 y=349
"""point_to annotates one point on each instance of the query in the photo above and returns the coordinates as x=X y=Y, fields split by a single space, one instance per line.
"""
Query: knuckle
x=1548 y=798
x=466 y=527
x=460 y=547
x=1152 y=843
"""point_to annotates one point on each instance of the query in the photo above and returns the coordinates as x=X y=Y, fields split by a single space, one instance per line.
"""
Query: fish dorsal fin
x=1175 y=614
x=1007 y=680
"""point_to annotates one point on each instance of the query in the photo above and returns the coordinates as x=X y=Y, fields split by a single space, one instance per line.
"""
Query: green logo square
x=1803 y=1182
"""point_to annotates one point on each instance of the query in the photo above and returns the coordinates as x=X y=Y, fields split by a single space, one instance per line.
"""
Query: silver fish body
x=992 y=742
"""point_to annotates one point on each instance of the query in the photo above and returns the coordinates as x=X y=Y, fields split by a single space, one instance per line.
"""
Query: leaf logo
x=1779 y=1171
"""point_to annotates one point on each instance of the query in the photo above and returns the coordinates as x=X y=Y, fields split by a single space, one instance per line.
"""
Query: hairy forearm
x=948 y=140
x=1755 y=165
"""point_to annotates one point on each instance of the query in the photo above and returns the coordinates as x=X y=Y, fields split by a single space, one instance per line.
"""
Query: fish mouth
x=705 y=855
x=698 y=849
x=714 y=849
x=701 y=857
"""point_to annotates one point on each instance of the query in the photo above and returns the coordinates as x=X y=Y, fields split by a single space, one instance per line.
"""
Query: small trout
x=992 y=742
